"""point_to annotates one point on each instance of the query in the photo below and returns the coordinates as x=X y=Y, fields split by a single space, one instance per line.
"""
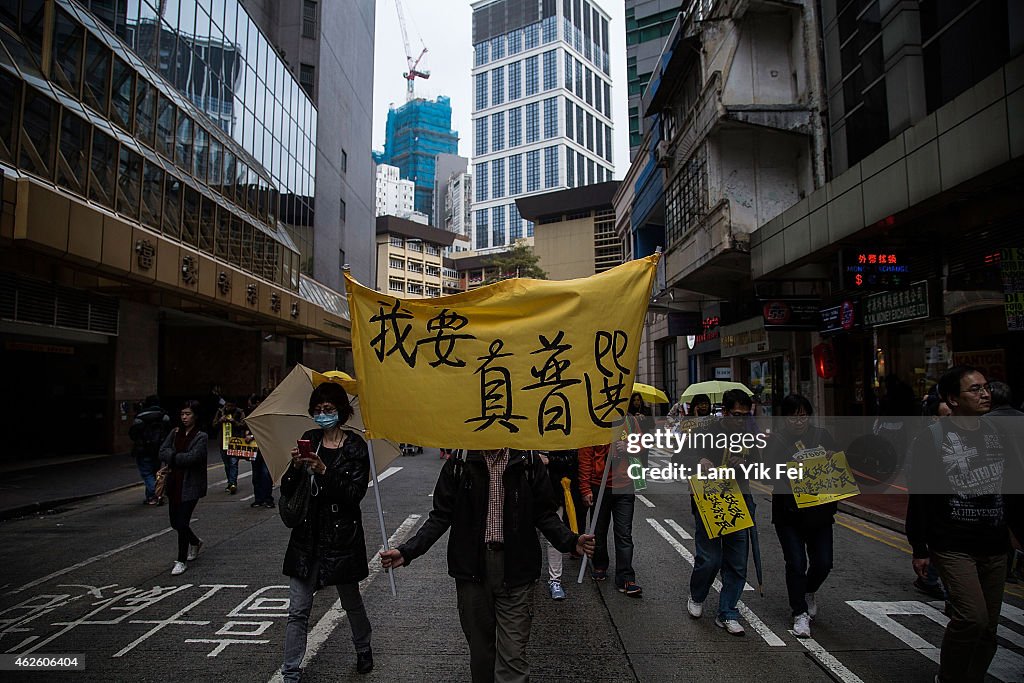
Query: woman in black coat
x=327 y=548
x=184 y=452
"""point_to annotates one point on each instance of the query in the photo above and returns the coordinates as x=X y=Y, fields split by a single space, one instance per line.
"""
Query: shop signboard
x=990 y=362
x=1011 y=269
x=791 y=314
x=872 y=268
x=841 y=318
x=723 y=373
x=889 y=308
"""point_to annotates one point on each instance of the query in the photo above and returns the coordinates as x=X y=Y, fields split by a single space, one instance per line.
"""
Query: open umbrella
x=714 y=389
x=649 y=393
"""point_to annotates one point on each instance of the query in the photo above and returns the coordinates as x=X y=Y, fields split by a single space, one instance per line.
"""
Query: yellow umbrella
x=649 y=393
x=714 y=389
x=283 y=417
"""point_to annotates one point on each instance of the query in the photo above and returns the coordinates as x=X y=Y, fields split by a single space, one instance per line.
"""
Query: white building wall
x=394 y=196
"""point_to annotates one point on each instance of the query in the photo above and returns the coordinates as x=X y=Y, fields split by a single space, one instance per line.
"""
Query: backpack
x=154 y=431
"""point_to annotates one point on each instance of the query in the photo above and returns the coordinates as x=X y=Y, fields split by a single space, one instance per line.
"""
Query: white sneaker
x=812 y=606
x=178 y=568
x=802 y=625
x=731 y=626
x=193 y=551
x=696 y=609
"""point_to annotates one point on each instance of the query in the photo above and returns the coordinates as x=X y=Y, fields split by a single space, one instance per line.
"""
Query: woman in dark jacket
x=327 y=548
x=184 y=451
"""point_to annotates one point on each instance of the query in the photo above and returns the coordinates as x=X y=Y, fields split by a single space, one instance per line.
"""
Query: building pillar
x=135 y=366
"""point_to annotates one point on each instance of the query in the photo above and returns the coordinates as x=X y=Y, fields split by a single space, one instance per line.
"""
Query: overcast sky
x=445 y=27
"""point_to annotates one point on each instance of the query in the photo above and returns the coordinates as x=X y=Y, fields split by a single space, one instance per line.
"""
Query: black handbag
x=294 y=508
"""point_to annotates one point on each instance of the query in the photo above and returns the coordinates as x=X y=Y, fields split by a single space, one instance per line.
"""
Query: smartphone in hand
x=305 y=449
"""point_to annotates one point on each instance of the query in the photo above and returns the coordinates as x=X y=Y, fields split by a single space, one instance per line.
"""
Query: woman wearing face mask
x=327 y=548
x=184 y=451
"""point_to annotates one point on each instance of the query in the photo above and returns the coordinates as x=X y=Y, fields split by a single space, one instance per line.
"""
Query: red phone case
x=305 y=448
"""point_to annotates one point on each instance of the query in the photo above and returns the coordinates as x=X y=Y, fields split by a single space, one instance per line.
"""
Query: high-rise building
x=648 y=23
x=416 y=133
x=394 y=195
x=446 y=166
x=155 y=165
x=458 y=204
x=541 y=108
x=328 y=48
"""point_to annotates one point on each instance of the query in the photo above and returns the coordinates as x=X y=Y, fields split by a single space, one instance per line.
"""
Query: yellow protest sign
x=225 y=434
x=826 y=479
x=721 y=506
x=240 y=448
x=533 y=364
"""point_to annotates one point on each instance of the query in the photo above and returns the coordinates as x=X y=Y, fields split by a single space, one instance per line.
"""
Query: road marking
x=1006 y=665
x=334 y=616
x=249 y=497
x=96 y=558
x=679 y=530
x=755 y=622
x=243 y=475
x=829 y=661
x=175 y=619
x=387 y=473
x=644 y=500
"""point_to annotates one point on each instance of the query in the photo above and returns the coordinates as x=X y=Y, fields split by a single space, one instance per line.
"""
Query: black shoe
x=255 y=505
x=931 y=590
x=269 y=504
x=364 y=662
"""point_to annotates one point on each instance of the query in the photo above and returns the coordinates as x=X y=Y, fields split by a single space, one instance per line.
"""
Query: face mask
x=326 y=421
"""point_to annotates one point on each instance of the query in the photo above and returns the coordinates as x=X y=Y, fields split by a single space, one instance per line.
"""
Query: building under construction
x=416 y=133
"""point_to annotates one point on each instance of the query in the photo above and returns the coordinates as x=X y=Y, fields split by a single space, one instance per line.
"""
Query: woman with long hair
x=184 y=452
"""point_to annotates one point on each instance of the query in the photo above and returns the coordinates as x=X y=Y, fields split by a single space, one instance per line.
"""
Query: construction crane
x=414 y=72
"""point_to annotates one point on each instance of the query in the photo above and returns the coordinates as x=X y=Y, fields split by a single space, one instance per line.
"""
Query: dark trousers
x=148 y=466
x=975 y=586
x=496 y=621
x=262 y=484
x=617 y=511
x=230 y=467
x=181 y=517
x=808 y=554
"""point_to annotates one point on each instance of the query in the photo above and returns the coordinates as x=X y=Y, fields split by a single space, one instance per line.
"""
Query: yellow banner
x=241 y=448
x=825 y=480
x=721 y=506
x=532 y=364
x=225 y=434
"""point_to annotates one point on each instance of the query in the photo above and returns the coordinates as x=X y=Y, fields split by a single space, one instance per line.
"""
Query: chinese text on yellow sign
x=721 y=506
x=522 y=363
x=826 y=479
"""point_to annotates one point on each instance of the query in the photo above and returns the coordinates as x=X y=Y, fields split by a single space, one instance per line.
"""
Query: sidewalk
x=33 y=486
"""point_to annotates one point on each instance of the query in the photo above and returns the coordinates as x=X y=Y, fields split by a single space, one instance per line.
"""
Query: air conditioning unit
x=662 y=154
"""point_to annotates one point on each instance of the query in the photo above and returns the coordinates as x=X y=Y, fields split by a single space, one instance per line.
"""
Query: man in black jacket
x=959 y=518
x=149 y=429
x=493 y=502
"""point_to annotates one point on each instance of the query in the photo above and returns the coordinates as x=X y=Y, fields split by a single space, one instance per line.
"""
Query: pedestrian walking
x=726 y=554
x=616 y=511
x=328 y=547
x=494 y=502
x=262 y=482
x=229 y=422
x=149 y=429
x=805 y=534
x=561 y=465
x=184 y=452
x=959 y=519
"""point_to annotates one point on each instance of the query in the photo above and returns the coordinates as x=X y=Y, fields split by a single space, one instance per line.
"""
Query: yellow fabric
x=721 y=506
x=531 y=364
x=570 y=506
x=649 y=393
x=825 y=480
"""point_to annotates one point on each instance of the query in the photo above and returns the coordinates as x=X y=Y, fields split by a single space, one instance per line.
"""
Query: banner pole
x=597 y=507
x=380 y=514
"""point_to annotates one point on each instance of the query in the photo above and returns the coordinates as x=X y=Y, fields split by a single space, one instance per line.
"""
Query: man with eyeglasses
x=959 y=518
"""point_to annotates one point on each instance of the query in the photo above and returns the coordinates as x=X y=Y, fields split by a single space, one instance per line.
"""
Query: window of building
x=307 y=78
x=608 y=144
x=570 y=167
x=531 y=36
x=498 y=131
x=550 y=167
x=581 y=169
x=481 y=228
x=568 y=71
x=432 y=250
x=416 y=288
x=396 y=241
x=549 y=29
x=515 y=223
x=497 y=48
x=686 y=200
x=550 y=69
x=433 y=291
x=532 y=122
x=599 y=139
x=480 y=171
x=607 y=99
x=668 y=366
x=396 y=263
x=497 y=178
x=396 y=285
x=590 y=132
x=515 y=174
x=588 y=83
x=498 y=226
x=515 y=127
x=531 y=76
x=309 y=19
x=481 y=135
x=533 y=171
x=515 y=41
x=498 y=86
x=568 y=119
x=481 y=91
x=415 y=266
x=579 y=78
x=515 y=81
x=550 y=118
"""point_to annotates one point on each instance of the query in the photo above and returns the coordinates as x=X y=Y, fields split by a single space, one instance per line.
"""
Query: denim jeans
x=300 y=594
x=617 y=510
x=262 y=484
x=148 y=465
x=230 y=467
x=808 y=554
x=726 y=554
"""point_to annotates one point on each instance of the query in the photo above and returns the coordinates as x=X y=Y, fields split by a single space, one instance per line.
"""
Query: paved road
x=94 y=578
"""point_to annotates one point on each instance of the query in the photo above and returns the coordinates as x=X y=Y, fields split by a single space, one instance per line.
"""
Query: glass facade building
x=552 y=113
x=179 y=116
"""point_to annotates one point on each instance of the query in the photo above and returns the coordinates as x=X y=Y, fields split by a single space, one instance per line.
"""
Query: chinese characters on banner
x=240 y=448
x=527 y=363
x=721 y=506
x=225 y=435
x=825 y=480
x=1011 y=268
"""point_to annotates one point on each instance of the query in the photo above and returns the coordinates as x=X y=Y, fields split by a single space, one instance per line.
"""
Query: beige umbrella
x=283 y=417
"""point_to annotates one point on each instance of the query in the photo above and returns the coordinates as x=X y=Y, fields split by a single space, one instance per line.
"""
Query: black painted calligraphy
x=554 y=413
x=610 y=397
x=445 y=326
x=391 y=325
x=495 y=391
